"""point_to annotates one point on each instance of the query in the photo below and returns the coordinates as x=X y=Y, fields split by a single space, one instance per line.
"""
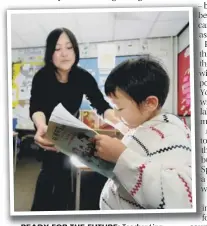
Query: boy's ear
x=152 y=103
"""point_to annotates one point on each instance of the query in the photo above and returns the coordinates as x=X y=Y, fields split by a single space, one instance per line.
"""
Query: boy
x=153 y=160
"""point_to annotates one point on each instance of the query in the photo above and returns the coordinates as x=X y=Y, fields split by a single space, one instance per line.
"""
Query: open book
x=73 y=138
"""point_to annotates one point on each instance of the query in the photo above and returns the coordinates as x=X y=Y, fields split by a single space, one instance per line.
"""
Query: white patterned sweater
x=154 y=172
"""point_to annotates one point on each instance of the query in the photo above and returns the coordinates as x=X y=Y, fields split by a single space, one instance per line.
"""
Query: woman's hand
x=41 y=140
x=108 y=148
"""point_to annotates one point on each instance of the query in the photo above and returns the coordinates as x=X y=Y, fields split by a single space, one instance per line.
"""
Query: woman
x=60 y=81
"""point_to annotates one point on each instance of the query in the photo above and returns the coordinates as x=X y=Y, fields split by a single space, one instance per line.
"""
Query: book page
x=74 y=138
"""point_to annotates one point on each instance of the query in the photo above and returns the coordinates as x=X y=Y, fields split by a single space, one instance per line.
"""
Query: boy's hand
x=108 y=148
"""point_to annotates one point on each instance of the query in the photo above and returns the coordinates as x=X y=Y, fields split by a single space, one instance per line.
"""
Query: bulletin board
x=184 y=100
x=22 y=76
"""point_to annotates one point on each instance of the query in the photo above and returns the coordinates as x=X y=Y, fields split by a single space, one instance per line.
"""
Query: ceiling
x=31 y=30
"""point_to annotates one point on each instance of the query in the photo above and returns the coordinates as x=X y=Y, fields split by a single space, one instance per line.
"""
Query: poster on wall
x=184 y=107
x=106 y=56
x=22 y=76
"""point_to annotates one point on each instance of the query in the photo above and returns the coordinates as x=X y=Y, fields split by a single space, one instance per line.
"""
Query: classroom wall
x=162 y=48
x=183 y=40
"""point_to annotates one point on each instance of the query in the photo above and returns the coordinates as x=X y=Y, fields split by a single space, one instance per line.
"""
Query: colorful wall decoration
x=184 y=100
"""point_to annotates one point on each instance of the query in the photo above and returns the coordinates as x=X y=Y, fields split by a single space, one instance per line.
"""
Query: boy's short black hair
x=139 y=78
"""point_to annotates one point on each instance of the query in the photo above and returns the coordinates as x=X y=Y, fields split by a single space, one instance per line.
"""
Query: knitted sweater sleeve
x=94 y=95
x=154 y=172
x=38 y=101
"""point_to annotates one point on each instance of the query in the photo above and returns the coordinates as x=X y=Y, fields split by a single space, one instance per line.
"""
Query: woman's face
x=64 y=56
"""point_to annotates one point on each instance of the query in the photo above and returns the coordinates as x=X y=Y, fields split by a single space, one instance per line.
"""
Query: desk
x=15 y=137
x=25 y=127
x=80 y=168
